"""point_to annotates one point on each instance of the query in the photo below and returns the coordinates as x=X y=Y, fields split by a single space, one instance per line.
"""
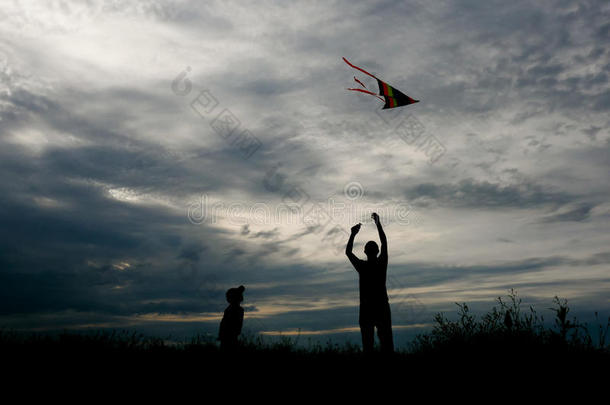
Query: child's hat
x=233 y=293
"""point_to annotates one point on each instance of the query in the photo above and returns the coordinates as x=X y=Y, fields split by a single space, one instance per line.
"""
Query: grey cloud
x=592 y=131
x=192 y=253
x=271 y=234
x=428 y=274
x=578 y=214
x=471 y=193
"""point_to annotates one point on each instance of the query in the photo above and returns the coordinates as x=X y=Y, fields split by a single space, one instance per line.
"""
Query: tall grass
x=506 y=331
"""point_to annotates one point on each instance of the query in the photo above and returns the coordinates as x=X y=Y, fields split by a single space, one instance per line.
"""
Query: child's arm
x=241 y=321
x=221 y=330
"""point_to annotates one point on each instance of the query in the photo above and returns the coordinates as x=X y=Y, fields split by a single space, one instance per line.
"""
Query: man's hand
x=350 y=245
x=382 y=237
x=375 y=218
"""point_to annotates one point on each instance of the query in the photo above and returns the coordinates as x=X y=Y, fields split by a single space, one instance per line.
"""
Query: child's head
x=235 y=295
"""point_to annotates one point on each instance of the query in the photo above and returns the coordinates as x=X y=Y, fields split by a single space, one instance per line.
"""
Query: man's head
x=371 y=249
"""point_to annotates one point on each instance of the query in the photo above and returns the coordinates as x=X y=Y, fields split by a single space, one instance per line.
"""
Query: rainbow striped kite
x=389 y=95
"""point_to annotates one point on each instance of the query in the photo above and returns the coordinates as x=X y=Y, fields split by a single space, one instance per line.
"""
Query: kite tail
x=362 y=84
x=368 y=92
x=362 y=70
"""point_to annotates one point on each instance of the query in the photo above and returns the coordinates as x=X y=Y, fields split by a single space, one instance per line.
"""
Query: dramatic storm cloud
x=155 y=154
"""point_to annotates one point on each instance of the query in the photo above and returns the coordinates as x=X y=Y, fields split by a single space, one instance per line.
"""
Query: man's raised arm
x=382 y=237
x=350 y=245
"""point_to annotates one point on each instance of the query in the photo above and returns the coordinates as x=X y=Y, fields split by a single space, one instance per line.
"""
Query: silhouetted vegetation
x=507 y=333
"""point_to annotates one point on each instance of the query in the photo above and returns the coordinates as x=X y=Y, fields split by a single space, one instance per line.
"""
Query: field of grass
x=505 y=336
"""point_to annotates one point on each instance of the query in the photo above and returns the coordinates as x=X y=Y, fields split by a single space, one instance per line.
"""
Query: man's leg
x=384 y=329
x=367 y=330
x=368 y=337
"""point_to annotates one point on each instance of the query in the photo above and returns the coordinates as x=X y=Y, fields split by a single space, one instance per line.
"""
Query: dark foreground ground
x=506 y=345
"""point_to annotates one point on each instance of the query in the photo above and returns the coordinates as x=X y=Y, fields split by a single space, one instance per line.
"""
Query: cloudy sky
x=154 y=154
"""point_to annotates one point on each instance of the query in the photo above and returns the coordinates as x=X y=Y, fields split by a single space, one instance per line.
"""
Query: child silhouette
x=233 y=319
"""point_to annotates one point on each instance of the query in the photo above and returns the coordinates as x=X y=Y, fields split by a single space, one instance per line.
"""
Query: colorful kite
x=388 y=94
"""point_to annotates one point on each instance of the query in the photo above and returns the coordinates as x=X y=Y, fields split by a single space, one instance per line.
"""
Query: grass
x=507 y=334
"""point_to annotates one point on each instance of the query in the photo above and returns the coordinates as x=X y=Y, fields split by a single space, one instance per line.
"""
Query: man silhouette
x=374 y=304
